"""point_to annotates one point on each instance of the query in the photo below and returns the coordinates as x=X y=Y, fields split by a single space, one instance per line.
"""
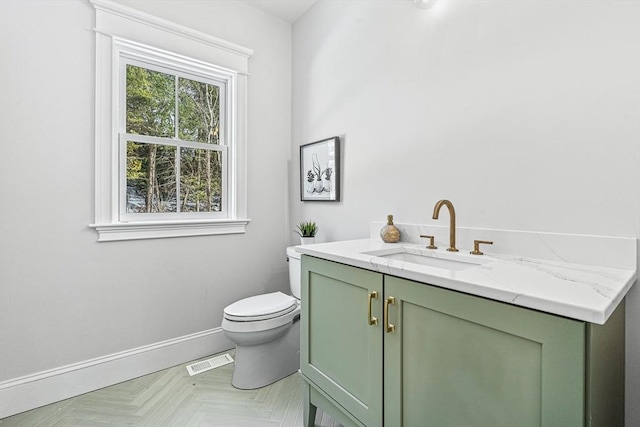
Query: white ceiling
x=289 y=10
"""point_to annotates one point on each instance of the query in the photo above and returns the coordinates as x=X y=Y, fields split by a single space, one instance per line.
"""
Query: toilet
x=266 y=331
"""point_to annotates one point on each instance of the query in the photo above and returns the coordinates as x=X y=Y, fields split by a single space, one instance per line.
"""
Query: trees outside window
x=173 y=136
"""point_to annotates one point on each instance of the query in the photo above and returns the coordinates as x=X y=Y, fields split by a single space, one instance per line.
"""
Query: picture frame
x=320 y=170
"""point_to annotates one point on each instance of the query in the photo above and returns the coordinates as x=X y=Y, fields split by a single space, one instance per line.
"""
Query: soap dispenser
x=390 y=233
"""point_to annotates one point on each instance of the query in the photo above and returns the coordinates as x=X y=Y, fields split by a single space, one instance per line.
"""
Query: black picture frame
x=320 y=171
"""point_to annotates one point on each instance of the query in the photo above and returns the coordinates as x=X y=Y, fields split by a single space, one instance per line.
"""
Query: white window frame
x=124 y=35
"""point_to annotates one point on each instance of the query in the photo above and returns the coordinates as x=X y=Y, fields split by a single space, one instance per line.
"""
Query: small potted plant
x=307 y=231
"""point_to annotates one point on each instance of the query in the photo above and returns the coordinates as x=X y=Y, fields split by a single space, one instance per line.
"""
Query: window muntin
x=172 y=143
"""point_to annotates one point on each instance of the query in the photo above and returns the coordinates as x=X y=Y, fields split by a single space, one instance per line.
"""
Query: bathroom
x=525 y=114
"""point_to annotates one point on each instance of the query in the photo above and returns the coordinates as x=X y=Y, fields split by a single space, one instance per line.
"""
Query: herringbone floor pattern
x=172 y=398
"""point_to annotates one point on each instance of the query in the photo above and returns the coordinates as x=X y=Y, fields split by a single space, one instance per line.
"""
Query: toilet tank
x=294 y=271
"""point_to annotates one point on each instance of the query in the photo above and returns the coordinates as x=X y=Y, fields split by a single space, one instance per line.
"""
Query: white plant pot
x=307 y=240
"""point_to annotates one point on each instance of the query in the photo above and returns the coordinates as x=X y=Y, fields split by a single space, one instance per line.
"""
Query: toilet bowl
x=266 y=331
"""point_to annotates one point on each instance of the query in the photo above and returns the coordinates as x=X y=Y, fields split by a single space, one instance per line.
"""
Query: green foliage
x=201 y=180
x=152 y=168
x=150 y=102
x=307 y=229
x=135 y=163
x=199 y=111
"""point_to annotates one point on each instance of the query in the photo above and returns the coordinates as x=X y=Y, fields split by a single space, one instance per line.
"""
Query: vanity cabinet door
x=458 y=360
x=341 y=352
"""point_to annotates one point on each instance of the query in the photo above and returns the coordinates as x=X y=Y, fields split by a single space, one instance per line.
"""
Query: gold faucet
x=452 y=222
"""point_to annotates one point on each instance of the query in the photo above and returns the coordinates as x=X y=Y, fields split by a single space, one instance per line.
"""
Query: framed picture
x=320 y=170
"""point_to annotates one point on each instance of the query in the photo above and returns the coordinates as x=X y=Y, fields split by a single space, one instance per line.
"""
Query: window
x=170 y=129
x=173 y=144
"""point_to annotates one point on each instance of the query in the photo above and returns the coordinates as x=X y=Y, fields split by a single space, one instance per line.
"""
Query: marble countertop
x=583 y=292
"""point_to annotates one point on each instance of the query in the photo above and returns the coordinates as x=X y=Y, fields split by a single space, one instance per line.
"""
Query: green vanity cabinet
x=459 y=360
x=341 y=354
x=441 y=358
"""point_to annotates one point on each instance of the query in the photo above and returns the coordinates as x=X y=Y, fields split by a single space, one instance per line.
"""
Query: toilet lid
x=260 y=307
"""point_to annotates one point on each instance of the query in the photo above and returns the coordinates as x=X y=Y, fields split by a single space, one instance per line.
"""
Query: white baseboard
x=42 y=388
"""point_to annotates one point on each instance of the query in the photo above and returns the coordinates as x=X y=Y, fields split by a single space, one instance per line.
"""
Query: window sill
x=166 y=229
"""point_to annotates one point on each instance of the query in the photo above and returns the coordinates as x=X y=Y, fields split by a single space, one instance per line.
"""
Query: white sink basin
x=431 y=258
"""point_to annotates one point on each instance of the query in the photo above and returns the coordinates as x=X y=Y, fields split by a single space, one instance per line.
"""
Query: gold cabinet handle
x=388 y=326
x=372 y=320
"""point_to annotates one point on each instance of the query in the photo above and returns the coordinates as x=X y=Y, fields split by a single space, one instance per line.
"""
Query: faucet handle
x=476 y=246
x=431 y=242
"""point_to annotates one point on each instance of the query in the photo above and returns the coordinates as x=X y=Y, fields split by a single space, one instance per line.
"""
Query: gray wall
x=525 y=114
x=64 y=297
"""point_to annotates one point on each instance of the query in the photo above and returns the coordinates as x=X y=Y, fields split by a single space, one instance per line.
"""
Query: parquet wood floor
x=172 y=398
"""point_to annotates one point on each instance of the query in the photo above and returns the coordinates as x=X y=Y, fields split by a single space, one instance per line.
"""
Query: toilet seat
x=260 y=307
x=260 y=323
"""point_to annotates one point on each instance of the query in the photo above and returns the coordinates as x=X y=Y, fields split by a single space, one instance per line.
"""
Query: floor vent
x=205 y=365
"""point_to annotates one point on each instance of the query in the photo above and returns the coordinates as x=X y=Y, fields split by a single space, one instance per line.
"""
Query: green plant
x=307 y=229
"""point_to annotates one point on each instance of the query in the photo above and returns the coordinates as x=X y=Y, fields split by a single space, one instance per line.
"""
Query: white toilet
x=266 y=331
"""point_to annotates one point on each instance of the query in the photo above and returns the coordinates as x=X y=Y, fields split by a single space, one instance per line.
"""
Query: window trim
x=120 y=29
